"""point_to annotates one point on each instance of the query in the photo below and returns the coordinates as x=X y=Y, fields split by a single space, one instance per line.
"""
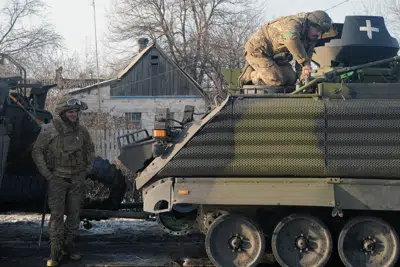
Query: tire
x=26 y=193
x=22 y=192
x=107 y=174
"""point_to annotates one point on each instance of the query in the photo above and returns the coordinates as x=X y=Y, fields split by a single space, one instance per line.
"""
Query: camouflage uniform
x=283 y=35
x=63 y=153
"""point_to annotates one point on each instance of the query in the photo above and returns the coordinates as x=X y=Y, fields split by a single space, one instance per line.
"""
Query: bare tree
x=30 y=43
x=392 y=14
x=388 y=9
x=227 y=47
x=369 y=8
x=200 y=35
x=78 y=66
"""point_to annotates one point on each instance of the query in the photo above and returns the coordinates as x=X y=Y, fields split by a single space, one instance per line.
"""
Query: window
x=154 y=60
x=134 y=118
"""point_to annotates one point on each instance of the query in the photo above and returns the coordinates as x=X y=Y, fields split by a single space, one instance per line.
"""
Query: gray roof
x=144 y=51
x=103 y=83
x=132 y=64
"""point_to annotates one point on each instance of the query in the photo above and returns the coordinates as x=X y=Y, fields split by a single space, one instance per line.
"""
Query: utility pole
x=97 y=55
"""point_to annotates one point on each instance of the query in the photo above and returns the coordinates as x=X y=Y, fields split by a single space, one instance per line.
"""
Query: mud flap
x=4 y=145
x=134 y=156
x=159 y=194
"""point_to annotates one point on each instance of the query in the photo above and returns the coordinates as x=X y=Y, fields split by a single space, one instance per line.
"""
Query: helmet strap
x=63 y=116
x=305 y=24
x=305 y=28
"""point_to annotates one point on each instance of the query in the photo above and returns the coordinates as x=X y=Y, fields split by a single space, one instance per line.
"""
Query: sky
x=74 y=18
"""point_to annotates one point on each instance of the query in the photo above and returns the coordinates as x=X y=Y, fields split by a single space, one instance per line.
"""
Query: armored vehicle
x=306 y=173
x=22 y=112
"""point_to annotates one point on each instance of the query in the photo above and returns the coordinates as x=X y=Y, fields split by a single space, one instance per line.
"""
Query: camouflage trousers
x=65 y=196
x=268 y=71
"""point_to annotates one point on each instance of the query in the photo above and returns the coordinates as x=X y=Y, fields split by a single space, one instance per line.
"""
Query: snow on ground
x=32 y=221
x=110 y=226
x=112 y=242
x=109 y=243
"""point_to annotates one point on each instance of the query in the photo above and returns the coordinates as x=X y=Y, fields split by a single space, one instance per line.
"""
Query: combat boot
x=245 y=76
x=70 y=250
x=51 y=262
x=55 y=256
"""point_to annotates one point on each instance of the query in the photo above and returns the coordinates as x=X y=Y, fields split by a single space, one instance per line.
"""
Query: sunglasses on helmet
x=73 y=102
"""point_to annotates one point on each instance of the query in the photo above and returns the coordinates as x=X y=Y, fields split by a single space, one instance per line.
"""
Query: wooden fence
x=106 y=142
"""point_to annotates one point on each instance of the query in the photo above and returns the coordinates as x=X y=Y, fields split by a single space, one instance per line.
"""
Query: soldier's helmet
x=320 y=19
x=67 y=102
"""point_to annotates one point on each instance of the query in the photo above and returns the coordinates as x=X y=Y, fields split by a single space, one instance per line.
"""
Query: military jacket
x=284 y=34
x=63 y=150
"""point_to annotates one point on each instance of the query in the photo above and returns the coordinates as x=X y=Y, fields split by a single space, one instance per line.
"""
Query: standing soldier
x=270 y=49
x=63 y=154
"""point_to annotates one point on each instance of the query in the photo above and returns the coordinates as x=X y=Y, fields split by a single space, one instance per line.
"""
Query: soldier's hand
x=306 y=72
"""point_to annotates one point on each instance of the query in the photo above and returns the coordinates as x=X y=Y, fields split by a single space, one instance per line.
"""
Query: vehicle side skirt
x=340 y=193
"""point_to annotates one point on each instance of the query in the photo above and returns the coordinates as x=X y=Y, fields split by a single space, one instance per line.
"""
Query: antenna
x=97 y=54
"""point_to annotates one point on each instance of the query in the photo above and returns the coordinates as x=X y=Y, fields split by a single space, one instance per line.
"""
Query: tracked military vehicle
x=305 y=173
x=22 y=112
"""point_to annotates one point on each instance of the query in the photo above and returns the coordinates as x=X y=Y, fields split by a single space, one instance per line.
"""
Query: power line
x=357 y=24
x=337 y=5
x=97 y=54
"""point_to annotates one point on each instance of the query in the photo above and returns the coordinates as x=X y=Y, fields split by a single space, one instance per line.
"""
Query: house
x=152 y=80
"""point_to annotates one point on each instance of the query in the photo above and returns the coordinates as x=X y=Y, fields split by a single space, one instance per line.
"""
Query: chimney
x=59 y=76
x=143 y=42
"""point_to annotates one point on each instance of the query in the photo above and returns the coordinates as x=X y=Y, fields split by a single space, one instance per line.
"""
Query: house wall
x=118 y=106
x=135 y=92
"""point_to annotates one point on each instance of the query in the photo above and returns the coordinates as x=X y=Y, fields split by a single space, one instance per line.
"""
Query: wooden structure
x=153 y=74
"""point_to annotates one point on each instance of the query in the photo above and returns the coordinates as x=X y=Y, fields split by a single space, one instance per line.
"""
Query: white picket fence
x=106 y=142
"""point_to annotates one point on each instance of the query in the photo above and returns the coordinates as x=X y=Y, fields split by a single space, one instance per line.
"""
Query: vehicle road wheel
x=234 y=240
x=178 y=223
x=368 y=241
x=301 y=240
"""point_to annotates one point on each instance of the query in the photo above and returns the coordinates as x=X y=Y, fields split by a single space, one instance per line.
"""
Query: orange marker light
x=159 y=133
x=183 y=192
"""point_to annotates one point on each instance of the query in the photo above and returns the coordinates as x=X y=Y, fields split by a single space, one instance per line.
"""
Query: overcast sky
x=74 y=18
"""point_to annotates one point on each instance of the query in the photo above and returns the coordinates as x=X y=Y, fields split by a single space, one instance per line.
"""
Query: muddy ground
x=113 y=242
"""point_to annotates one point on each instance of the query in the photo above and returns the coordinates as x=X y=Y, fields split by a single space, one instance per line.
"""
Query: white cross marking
x=369 y=29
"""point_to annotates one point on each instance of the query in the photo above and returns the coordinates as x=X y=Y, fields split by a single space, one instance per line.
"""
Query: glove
x=305 y=73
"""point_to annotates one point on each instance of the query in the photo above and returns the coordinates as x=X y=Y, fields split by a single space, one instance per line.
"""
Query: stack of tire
x=111 y=177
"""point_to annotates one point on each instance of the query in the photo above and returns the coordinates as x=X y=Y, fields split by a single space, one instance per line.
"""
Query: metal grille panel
x=257 y=137
x=295 y=137
x=363 y=138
